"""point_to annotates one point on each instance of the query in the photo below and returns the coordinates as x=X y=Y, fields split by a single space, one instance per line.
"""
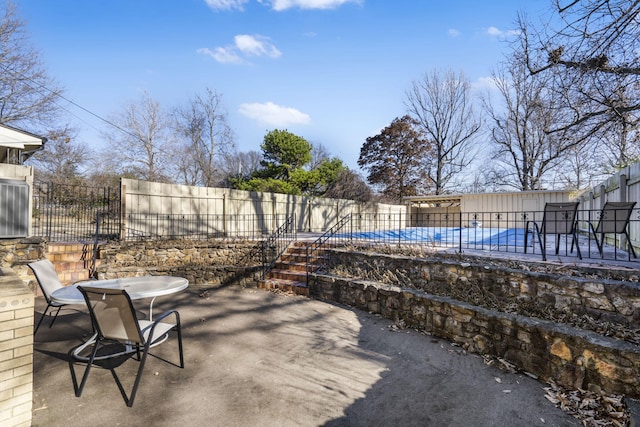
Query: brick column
x=16 y=350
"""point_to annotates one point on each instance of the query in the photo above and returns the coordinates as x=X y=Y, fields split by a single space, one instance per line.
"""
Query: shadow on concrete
x=259 y=358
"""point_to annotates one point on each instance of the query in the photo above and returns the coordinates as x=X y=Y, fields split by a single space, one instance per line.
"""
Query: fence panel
x=73 y=213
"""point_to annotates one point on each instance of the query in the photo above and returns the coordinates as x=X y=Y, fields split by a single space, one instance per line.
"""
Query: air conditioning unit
x=14 y=208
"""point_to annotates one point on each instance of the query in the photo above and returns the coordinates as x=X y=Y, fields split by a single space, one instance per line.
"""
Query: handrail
x=274 y=243
x=320 y=241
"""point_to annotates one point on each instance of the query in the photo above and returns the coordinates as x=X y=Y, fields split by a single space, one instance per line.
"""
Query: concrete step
x=298 y=276
x=289 y=273
x=287 y=265
x=293 y=286
x=293 y=257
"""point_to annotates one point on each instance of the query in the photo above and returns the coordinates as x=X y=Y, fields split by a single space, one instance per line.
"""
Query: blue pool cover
x=446 y=236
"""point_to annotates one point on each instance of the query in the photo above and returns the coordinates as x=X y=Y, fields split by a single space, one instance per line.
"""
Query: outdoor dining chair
x=48 y=281
x=614 y=219
x=119 y=335
x=558 y=219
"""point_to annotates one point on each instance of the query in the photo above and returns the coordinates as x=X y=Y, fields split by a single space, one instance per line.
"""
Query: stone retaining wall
x=593 y=293
x=17 y=253
x=573 y=357
x=212 y=262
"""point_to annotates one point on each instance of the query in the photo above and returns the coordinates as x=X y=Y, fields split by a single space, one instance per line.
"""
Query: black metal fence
x=82 y=214
x=73 y=213
x=491 y=232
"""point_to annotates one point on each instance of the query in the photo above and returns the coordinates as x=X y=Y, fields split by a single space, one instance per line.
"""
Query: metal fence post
x=460 y=232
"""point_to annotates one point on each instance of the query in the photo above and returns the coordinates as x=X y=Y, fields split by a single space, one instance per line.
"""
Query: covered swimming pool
x=446 y=236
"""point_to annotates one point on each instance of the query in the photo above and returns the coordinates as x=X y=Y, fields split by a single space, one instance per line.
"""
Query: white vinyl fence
x=624 y=186
x=151 y=208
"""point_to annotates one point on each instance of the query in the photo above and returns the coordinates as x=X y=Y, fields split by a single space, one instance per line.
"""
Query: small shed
x=17 y=145
x=510 y=209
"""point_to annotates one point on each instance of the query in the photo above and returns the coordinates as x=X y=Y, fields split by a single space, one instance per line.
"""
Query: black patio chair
x=558 y=219
x=120 y=335
x=614 y=219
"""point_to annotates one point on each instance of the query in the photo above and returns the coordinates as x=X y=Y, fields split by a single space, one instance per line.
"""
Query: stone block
x=560 y=349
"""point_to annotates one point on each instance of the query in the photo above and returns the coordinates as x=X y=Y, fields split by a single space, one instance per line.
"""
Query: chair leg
x=602 y=245
x=55 y=316
x=134 y=390
x=599 y=244
x=179 y=329
x=542 y=241
x=86 y=371
x=44 y=314
x=631 y=250
x=575 y=240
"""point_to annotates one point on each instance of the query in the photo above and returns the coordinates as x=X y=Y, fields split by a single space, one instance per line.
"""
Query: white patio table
x=136 y=287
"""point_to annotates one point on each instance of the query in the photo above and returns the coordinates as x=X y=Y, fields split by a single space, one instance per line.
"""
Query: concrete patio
x=256 y=358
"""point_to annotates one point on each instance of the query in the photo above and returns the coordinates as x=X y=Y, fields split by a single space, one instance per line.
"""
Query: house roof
x=16 y=139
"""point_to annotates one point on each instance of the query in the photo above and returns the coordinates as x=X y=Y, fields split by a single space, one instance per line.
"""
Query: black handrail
x=313 y=248
x=277 y=243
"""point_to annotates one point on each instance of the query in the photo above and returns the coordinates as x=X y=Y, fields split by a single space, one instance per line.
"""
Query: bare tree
x=319 y=153
x=239 y=165
x=63 y=160
x=620 y=139
x=349 y=185
x=580 y=169
x=525 y=153
x=441 y=104
x=28 y=94
x=206 y=138
x=591 y=58
x=141 y=143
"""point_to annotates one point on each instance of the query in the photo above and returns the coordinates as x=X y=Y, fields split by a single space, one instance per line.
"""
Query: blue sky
x=332 y=71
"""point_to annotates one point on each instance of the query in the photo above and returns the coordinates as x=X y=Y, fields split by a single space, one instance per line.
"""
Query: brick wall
x=16 y=350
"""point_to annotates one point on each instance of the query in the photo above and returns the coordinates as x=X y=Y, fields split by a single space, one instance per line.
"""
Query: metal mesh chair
x=558 y=219
x=48 y=281
x=114 y=321
x=614 y=219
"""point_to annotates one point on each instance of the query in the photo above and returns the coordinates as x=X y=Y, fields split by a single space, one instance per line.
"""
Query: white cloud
x=280 y=5
x=271 y=114
x=256 y=46
x=223 y=55
x=226 y=4
x=453 y=32
x=496 y=32
x=243 y=45
x=484 y=83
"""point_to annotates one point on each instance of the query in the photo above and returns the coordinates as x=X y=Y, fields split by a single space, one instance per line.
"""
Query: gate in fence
x=75 y=213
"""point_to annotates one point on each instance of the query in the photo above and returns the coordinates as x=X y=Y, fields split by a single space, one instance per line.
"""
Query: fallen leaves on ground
x=591 y=408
